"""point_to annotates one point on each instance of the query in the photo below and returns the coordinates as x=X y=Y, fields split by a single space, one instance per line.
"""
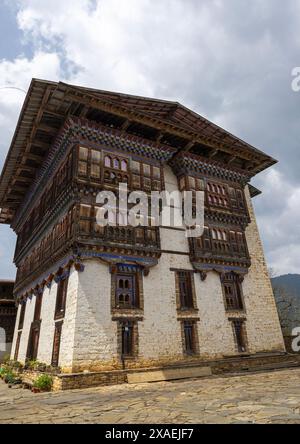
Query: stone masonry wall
x=48 y=325
x=95 y=344
x=263 y=327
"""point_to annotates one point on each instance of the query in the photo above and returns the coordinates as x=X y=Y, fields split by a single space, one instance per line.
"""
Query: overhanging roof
x=48 y=104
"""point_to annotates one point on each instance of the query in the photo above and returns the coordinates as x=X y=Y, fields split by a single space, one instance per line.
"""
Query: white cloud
x=230 y=65
x=278 y=214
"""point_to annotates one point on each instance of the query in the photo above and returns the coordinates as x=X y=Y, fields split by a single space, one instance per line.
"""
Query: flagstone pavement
x=272 y=397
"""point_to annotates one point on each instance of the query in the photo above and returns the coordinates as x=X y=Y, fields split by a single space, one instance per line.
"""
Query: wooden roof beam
x=175 y=129
x=28 y=168
x=190 y=145
x=35 y=157
x=126 y=125
x=213 y=154
x=47 y=129
x=39 y=144
x=22 y=179
x=231 y=160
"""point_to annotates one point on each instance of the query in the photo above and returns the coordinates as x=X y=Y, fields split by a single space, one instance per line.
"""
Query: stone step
x=275 y=366
x=168 y=374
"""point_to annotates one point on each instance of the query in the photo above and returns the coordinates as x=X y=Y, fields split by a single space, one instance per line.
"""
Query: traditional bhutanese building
x=92 y=298
x=8 y=314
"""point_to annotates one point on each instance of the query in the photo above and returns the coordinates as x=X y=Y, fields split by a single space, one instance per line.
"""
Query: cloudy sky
x=229 y=60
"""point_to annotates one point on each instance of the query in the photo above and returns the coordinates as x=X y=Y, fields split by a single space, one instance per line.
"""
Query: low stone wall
x=85 y=380
x=104 y=378
x=253 y=362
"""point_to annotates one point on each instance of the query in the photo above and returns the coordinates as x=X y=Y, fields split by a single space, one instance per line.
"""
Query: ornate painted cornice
x=56 y=273
x=194 y=165
x=204 y=268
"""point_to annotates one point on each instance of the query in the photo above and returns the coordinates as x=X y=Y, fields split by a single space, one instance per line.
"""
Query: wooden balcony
x=143 y=239
x=219 y=252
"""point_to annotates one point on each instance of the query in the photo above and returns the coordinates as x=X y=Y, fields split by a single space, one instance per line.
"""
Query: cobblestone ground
x=253 y=398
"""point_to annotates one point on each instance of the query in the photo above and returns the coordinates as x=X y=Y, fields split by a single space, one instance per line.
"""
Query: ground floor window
x=33 y=343
x=56 y=344
x=127 y=339
x=190 y=337
x=239 y=329
x=16 y=356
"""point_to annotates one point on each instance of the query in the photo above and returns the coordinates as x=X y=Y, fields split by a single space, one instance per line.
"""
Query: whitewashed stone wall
x=47 y=324
x=263 y=327
x=67 y=344
x=45 y=347
x=96 y=334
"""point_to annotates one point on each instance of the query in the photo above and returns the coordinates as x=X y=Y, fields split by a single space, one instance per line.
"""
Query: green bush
x=30 y=365
x=44 y=383
x=3 y=371
x=36 y=365
x=16 y=365
x=10 y=377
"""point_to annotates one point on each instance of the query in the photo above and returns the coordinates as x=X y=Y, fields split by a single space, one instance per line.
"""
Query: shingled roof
x=48 y=104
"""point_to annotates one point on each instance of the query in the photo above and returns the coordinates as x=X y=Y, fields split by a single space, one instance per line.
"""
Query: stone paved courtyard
x=253 y=398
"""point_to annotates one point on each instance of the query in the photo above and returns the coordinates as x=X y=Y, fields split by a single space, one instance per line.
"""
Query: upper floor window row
x=217 y=194
x=112 y=169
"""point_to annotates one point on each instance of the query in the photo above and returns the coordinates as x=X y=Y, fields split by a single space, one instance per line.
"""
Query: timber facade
x=92 y=297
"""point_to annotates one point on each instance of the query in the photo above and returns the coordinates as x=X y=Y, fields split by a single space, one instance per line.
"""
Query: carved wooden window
x=189 y=183
x=185 y=289
x=116 y=169
x=61 y=298
x=240 y=199
x=38 y=307
x=217 y=195
x=233 y=292
x=89 y=164
x=95 y=164
x=17 y=348
x=238 y=242
x=107 y=161
x=220 y=240
x=83 y=161
x=22 y=315
x=85 y=219
x=126 y=291
x=56 y=344
x=127 y=333
x=239 y=330
x=189 y=337
x=124 y=165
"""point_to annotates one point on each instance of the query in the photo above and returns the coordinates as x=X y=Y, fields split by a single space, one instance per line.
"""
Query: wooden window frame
x=38 y=307
x=61 y=298
x=17 y=347
x=56 y=345
x=134 y=294
x=133 y=352
x=191 y=325
x=33 y=341
x=186 y=299
x=235 y=301
x=240 y=334
x=22 y=315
